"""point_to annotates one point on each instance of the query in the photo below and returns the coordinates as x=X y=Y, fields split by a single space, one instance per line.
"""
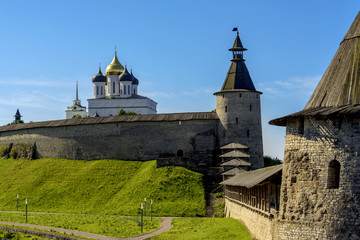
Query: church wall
x=107 y=107
x=240 y=116
x=122 y=140
x=310 y=207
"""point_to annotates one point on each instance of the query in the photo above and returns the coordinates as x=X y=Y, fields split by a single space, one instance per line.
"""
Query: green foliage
x=205 y=228
x=122 y=112
x=192 y=142
x=219 y=209
x=17 y=236
x=214 y=110
x=15 y=122
x=22 y=150
x=269 y=161
x=100 y=187
x=77 y=116
x=5 y=150
x=112 y=226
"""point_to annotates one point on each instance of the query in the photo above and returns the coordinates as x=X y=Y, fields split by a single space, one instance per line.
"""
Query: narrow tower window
x=113 y=87
x=125 y=90
x=97 y=90
x=240 y=95
x=129 y=89
x=237 y=121
x=225 y=108
x=334 y=174
x=248 y=133
x=250 y=108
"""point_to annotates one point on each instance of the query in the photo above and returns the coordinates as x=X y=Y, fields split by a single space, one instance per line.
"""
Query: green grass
x=112 y=226
x=12 y=235
x=205 y=228
x=100 y=187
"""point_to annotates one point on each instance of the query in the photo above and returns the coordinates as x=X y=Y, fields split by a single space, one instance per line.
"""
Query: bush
x=122 y=112
x=22 y=150
x=5 y=150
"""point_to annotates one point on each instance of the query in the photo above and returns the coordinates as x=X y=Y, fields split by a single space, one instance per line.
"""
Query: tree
x=15 y=122
x=122 y=112
x=77 y=116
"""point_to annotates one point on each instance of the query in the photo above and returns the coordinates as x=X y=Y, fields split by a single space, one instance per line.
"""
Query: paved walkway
x=165 y=225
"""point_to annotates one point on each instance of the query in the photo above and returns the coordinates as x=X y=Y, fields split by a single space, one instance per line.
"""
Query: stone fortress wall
x=145 y=140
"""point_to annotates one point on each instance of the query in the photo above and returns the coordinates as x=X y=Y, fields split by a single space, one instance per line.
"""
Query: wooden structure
x=259 y=189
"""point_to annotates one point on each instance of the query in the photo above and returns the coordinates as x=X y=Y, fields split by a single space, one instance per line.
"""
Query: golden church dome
x=115 y=67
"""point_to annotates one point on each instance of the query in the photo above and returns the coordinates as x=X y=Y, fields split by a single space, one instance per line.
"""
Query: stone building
x=187 y=139
x=117 y=89
x=320 y=182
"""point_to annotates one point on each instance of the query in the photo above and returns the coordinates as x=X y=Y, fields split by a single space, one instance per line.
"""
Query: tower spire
x=238 y=77
x=77 y=91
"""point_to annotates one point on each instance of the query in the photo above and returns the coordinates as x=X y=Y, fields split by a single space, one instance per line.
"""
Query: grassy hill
x=101 y=187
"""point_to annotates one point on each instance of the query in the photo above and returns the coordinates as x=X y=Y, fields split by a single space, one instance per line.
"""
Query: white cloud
x=37 y=82
x=200 y=91
x=293 y=86
x=157 y=94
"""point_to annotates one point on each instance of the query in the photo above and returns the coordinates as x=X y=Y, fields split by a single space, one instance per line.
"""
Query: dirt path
x=165 y=225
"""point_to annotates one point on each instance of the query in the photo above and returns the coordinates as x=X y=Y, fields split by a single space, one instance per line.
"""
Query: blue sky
x=177 y=50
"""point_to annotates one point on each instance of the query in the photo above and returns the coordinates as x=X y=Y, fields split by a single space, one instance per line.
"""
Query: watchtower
x=320 y=192
x=238 y=108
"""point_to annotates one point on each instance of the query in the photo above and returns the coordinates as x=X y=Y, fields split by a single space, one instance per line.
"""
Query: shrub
x=22 y=150
x=5 y=150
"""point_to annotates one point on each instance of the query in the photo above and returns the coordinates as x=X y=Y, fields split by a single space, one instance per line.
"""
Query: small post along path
x=165 y=226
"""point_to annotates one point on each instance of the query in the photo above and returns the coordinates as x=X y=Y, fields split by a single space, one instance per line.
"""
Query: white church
x=116 y=90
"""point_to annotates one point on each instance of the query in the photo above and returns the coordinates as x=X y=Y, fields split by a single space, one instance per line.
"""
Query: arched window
x=180 y=153
x=129 y=89
x=125 y=90
x=225 y=108
x=97 y=90
x=334 y=174
x=101 y=90
x=113 y=87
x=248 y=133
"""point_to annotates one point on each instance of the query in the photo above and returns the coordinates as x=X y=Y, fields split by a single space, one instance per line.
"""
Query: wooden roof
x=346 y=110
x=233 y=172
x=340 y=84
x=252 y=178
x=236 y=162
x=234 y=145
x=234 y=154
x=114 y=119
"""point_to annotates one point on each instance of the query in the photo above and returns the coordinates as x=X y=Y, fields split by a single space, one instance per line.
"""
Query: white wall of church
x=107 y=107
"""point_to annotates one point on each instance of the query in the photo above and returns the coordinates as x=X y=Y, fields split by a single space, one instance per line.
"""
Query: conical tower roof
x=237 y=44
x=238 y=77
x=338 y=92
x=340 y=85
